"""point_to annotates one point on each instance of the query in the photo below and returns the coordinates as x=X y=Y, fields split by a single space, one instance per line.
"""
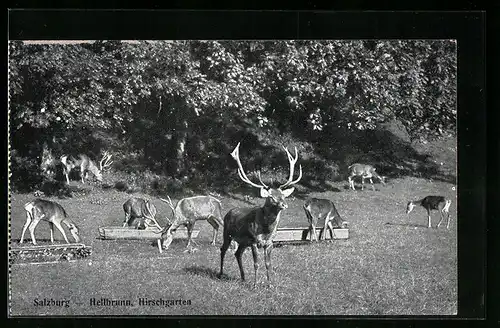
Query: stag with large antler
x=86 y=165
x=186 y=213
x=255 y=226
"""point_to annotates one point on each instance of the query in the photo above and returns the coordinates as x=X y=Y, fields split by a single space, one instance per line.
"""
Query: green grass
x=390 y=265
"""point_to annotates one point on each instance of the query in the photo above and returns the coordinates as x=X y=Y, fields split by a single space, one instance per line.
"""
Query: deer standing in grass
x=322 y=209
x=86 y=165
x=255 y=227
x=48 y=162
x=139 y=213
x=438 y=203
x=364 y=171
x=187 y=212
x=51 y=212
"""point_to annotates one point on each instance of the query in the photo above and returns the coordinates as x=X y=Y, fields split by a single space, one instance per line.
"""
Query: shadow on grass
x=178 y=244
x=413 y=225
x=367 y=187
x=302 y=243
x=208 y=272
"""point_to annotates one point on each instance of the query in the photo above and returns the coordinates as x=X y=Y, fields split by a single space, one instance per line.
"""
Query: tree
x=162 y=95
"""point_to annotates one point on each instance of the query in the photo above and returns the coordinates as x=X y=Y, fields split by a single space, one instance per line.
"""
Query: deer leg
x=325 y=227
x=351 y=182
x=330 y=226
x=127 y=218
x=428 y=218
x=313 y=232
x=32 y=227
x=51 y=225
x=215 y=225
x=267 y=257
x=26 y=224
x=66 y=173
x=239 y=254
x=442 y=217
x=255 y=263
x=223 y=250
x=190 y=231
x=371 y=181
x=448 y=220
x=60 y=228
x=362 y=183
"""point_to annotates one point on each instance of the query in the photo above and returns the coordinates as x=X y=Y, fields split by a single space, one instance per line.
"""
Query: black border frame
x=467 y=27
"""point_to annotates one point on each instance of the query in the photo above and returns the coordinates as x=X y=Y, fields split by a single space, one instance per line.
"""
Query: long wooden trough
x=49 y=253
x=284 y=235
x=115 y=232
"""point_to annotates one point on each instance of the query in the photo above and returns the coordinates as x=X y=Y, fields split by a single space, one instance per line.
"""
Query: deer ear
x=288 y=192
x=264 y=193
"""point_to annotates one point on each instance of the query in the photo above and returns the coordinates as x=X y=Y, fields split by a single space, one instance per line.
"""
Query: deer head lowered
x=255 y=226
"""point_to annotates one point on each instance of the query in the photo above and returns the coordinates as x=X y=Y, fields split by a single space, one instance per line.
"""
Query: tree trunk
x=180 y=148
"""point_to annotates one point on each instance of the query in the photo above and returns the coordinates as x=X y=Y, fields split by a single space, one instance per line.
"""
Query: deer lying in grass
x=322 y=209
x=51 y=212
x=136 y=209
x=86 y=165
x=187 y=212
x=365 y=172
x=438 y=203
x=255 y=227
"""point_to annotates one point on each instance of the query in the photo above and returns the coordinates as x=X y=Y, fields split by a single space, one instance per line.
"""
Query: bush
x=26 y=176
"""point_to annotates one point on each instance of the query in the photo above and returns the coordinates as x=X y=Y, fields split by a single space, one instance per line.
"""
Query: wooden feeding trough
x=136 y=234
x=49 y=253
x=294 y=235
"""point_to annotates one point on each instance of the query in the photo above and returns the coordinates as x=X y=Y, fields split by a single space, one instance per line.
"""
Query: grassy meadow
x=390 y=265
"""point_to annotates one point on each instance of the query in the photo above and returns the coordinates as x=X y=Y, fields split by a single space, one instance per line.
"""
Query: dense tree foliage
x=174 y=101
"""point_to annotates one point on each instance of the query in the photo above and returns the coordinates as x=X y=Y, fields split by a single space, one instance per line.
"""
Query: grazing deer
x=322 y=209
x=51 y=212
x=439 y=203
x=86 y=165
x=255 y=227
x=365 y=172
x=135 y=209
x=187 y=212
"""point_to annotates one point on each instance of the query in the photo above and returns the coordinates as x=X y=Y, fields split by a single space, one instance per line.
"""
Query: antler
x=150 y=216
x=236 y=155
x=292 y=162
x=105 y=161
x=260 y=179
x=170 y=204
